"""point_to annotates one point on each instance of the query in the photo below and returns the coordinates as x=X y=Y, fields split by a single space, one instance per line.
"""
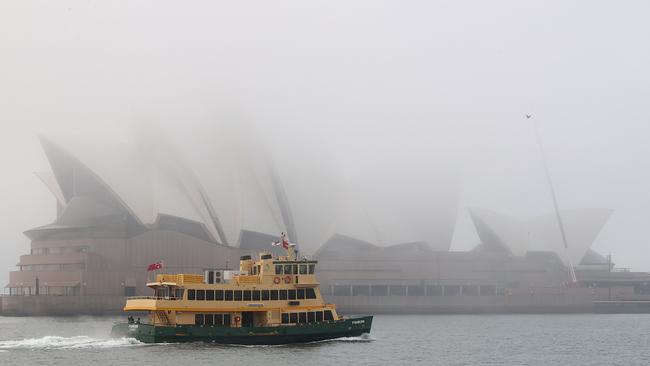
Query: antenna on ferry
x=572 y=272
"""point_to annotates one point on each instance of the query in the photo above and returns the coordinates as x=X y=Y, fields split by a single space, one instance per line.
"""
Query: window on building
x=341 y=290
x=470 y=290
x=452 y=290
x=434 y=290
x=360 y=290
x=191 y=294
x=378 y=290
x=397 y=290
x=238 y=295
x=218 y=295
x=416 y=291
x=247 y=295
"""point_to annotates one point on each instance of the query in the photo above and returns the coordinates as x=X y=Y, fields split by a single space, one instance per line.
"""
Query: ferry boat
x=268 y=301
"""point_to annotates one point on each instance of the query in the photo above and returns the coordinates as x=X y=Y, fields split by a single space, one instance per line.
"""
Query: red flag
x=154 y=266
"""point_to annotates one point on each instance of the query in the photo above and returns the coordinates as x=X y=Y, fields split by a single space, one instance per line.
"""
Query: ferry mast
x=572 y=272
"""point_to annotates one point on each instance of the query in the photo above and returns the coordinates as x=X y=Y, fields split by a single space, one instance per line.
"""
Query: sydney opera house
x=122 y=206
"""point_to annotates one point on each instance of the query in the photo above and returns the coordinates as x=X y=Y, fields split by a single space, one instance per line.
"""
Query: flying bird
x=528 y=116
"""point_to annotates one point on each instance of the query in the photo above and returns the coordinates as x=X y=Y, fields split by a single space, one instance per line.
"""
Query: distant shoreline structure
x=118 y=211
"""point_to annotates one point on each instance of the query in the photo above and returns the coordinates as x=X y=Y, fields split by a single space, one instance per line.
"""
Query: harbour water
x=583 y=339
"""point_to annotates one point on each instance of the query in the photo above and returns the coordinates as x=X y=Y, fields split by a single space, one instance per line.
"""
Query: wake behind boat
x=268 y=301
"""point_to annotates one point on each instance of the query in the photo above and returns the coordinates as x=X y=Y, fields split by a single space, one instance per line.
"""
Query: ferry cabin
x=265 y=293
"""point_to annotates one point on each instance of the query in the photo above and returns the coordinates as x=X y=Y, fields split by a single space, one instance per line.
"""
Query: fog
x=388 y=97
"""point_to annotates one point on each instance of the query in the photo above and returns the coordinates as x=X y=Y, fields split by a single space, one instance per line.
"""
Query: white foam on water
x=56 y=342
x=362 y=338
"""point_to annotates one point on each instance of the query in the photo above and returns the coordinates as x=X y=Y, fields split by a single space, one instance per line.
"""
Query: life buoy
x=276 y=280
x=287 y=279
x=237 y=319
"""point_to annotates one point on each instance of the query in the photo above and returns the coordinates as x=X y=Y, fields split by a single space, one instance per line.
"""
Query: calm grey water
x=395 y=340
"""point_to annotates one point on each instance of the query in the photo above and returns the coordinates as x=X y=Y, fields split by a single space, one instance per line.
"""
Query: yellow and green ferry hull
x=299 y=333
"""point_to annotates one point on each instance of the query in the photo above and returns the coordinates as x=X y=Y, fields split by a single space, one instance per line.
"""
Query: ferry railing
x=153 y=298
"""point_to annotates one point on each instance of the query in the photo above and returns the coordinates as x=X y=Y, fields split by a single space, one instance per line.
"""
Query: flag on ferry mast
x=284 y=242
x=154 y=266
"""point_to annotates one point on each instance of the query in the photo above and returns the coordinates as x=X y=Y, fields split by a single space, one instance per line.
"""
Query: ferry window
x=256 y=295
x=311 y=317
x=274 y=294
x=265 y=295
x=295 y=269
x=293 y=318
x=226 y=320
x=191 y=294
x=312 y=267
x=198 y=319
x=310 y=293
x=302 y=318
x=319 y=316
x=328 y=315
x=247 y=295
x=209 y=295
x=218 y=295
x=283 y=294
x=238 y=295
x=288 y=269
x=209 y=319
x=292 y=294
x=285 y=318
x=227 y=295
x=179 y=293
x=200 y=294
x=303 y=269
x=300 y=294
x=278 y=269
x=218 y=319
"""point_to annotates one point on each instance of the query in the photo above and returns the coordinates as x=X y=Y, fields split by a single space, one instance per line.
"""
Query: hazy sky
x=366 y=85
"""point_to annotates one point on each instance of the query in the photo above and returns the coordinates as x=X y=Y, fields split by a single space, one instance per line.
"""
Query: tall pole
x=572 y=273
